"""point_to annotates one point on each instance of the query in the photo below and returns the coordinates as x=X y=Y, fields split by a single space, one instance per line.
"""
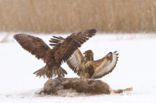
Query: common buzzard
x=85 y=66
x=55 y=56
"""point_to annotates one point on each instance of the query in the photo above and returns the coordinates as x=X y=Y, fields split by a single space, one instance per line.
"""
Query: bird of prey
x=85 y=66
x=55 y=56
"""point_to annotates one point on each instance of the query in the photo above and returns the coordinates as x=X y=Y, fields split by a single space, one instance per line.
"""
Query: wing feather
x=64 y=50
x=103 y=66
x=74 y=61
x=34 y=45
x=56 y=40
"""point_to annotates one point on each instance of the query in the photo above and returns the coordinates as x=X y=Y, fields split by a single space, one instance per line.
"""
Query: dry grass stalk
x=74 y=15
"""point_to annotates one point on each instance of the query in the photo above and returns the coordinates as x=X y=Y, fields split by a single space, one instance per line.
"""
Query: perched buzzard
x=85 y=66
x=53 y=57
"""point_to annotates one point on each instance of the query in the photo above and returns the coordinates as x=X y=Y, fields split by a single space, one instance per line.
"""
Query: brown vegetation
x=73 y=15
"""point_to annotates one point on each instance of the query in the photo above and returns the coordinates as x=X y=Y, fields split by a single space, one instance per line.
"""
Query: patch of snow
x=136 y=68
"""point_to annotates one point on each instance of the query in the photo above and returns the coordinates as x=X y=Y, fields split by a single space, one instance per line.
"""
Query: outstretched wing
x=64 y=50
x=74 y=60
x=34 y=45
x=104 y=65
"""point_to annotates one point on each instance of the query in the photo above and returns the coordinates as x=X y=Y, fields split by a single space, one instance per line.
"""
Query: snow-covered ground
x=136 y=68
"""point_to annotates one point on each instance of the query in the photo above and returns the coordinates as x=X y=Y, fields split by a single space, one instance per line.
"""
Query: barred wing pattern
x=104 y=67
x=74 y=61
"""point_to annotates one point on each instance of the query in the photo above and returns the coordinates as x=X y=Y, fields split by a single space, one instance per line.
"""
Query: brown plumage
x=86 y=67
x=53 y=57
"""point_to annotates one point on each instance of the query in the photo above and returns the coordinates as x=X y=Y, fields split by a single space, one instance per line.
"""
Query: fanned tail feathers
x=45 y=72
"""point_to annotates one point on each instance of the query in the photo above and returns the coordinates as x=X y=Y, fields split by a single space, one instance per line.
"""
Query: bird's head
x=88 y=54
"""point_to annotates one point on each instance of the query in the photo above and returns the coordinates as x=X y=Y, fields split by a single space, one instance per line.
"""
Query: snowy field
x=136 y=68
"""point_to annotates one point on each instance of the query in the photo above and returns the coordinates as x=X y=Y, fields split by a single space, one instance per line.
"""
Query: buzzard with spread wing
x=85 y=66
x=55 y=56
